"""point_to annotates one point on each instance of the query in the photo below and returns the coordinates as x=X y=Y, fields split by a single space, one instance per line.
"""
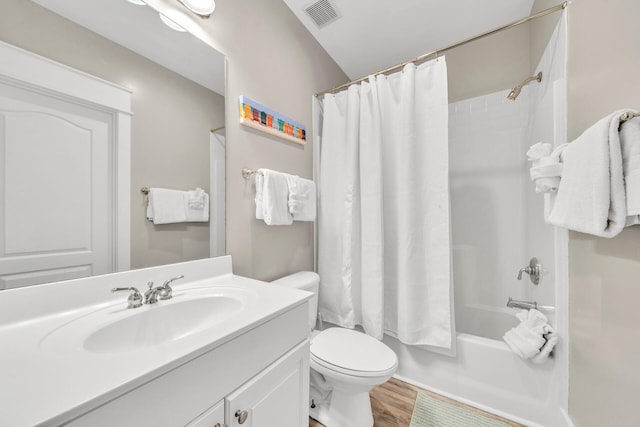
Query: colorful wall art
x=257 y=116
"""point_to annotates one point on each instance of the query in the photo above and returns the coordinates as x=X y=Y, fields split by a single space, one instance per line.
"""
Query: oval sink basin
x=162 y=323
x=117 y=329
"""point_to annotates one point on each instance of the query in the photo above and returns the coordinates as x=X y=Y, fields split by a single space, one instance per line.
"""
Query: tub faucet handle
x=534 y=270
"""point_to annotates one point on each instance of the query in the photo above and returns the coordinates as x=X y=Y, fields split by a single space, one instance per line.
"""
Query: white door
x=56 y=189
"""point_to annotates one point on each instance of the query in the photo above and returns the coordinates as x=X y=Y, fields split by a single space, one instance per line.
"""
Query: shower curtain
x=383 y=225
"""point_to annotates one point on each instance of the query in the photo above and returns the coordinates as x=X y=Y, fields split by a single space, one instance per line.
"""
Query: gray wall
x=604 y=65
x=170 y=127
x=272 y=59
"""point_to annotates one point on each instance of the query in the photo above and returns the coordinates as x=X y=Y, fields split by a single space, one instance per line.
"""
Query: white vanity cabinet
x=263 y=371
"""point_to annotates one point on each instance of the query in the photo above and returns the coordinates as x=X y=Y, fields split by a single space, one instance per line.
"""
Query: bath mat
x=431 y=412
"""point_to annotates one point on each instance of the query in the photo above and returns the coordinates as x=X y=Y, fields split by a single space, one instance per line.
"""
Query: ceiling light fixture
x=171 y=23
x=203 y=8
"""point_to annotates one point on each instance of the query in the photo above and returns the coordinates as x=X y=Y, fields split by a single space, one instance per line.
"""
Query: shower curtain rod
x=460 y=43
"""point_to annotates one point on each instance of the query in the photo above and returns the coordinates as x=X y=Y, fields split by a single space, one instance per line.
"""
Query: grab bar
x=526 y=305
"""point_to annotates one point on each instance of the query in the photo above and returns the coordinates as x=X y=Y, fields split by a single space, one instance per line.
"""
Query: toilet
x=343 y=361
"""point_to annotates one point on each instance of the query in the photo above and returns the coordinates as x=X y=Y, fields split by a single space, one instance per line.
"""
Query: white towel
x=302 y=198
x=173 y=206
x=275 y=198
x=591 y=196
x=546 y=168
x=259 y=182
x=533 y=339
x=166 y=206
x=630 y=147
x=198 y=214
x=197 y=198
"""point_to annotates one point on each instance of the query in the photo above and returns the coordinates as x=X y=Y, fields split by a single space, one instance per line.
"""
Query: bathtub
x=487 y=375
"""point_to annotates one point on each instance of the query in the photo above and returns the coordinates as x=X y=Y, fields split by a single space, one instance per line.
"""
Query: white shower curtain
x=383 y=224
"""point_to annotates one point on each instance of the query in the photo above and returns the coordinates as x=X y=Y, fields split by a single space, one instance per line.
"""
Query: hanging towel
x=198 y=212
x=546 y=168
x=259 y=182
x=196 y=198
x=302 y=198
x=630 y=147
x=173 y=206
x=166 y=206
x=591 y=196
x=275 y=197
x=533 y=339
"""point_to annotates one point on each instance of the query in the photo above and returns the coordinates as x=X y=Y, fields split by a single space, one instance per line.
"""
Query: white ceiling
x=372 y=35
x=139 y=29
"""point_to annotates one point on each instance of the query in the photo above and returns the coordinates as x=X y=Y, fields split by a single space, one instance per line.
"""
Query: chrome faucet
x=165 y=289
x=163 y=292
x=151 y=294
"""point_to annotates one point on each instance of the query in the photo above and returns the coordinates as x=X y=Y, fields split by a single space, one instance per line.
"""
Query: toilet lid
x=353 y=351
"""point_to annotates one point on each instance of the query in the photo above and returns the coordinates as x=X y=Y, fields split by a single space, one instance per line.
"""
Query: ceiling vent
x=322 y=12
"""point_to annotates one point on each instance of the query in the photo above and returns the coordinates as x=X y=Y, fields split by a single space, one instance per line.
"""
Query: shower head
x=516 y=90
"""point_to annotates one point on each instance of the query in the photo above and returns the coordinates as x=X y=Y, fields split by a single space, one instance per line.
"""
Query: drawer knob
x=241 y=416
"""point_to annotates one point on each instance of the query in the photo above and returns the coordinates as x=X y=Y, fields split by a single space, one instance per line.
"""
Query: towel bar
x=145 y=190
x=628 y=116
x=246 y=173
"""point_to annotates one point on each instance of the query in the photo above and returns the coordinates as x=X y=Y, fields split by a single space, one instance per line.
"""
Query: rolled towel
x=551 y=338
x=533 y=339
x=523 y=341
x=546 y=168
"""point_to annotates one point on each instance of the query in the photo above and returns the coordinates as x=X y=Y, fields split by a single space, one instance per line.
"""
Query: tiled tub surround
x=47 y=384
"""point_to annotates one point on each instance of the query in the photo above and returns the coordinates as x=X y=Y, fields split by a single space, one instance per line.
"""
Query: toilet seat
x=352 y=353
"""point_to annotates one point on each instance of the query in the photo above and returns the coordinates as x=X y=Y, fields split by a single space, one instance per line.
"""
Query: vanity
x=224 y=350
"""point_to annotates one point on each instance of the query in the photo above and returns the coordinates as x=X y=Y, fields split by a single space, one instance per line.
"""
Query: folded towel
x=630 y=147
x=591 y=196
x=274 y=197
x=546 y=168
x=172 y=206
x=166 y=206
x=533 y=339
x=302 y=198
x=196 y=198
x=199 y=214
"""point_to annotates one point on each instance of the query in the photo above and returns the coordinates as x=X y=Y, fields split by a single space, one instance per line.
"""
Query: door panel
x=56 y=189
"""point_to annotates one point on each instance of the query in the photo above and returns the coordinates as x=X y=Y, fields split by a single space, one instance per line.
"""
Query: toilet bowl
x=350 y=363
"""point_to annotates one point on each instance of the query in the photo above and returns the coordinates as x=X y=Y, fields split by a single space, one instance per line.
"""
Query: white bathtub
x=487 y=375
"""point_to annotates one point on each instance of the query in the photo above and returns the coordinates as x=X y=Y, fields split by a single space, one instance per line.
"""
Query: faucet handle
x=166 y=291
x=150 y=295
x=135 y=297
x=534 y=270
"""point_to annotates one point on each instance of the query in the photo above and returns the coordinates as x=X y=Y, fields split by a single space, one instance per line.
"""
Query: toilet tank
x=306 y=281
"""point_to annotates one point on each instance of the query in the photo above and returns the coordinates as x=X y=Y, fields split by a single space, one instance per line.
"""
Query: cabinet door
x=278 y=396
x=213 y=417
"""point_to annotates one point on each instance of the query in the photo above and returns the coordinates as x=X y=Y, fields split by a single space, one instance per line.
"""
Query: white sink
x=117 y=329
